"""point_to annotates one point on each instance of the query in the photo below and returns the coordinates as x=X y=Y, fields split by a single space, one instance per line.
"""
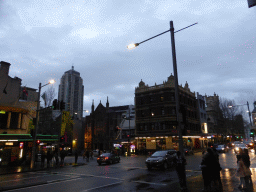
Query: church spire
x=92 y=105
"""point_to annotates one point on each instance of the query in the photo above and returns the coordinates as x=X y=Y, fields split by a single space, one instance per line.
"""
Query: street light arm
x=131 y=46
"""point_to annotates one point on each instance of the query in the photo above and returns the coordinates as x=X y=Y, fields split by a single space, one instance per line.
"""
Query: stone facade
x=15 y=113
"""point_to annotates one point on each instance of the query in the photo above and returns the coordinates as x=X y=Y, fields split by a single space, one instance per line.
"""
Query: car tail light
x=98 y=158
x=106 y=157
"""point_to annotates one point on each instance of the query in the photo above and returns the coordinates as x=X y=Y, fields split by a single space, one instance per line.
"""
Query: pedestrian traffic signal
x=62 y=105
x=38 y=141
x=62 y=139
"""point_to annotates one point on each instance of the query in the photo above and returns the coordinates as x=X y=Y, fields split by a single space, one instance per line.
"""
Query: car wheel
x=99 y=163
x=110 y=161
x=149 y=167
x=165 y=166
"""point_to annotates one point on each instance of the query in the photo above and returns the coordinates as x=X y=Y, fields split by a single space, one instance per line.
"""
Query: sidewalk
x=69 y=161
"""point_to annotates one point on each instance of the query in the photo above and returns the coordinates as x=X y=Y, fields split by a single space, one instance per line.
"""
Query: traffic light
x=62 y=105
x=252 y=133
x=55 y=104
x=38 y=141
x=62 y=139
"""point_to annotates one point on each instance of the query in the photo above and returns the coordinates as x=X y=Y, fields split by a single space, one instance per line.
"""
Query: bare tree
x=230 y=113
x=48 y=96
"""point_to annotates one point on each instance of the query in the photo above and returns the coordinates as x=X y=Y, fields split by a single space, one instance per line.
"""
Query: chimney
x=4 y=66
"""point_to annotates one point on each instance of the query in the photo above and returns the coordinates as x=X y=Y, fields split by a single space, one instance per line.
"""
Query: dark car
x=108 y=158
x=222 y=148
x=188 y=151
x=162 y=159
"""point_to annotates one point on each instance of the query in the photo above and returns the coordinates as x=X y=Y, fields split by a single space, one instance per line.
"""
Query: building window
x=146 y=127
x=163 y=126
x=152 y=126
x=173 y=111
x=172 y=98
x=162 y=109
x=162 y=98
x=141 y=127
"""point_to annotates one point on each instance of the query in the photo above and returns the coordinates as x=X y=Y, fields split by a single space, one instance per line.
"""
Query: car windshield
x=159 y=154
x=220 y=146
x=105 y=155
x=240 y=145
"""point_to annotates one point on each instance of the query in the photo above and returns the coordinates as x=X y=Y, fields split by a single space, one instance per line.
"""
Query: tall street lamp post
x=131 y=46
x=35 y=131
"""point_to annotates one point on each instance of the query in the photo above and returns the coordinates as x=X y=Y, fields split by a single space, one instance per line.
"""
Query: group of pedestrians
x=50 y=155
x=88 y=154
x=211 y=168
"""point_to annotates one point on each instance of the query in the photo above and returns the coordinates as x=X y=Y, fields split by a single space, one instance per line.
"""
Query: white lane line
x=50 y=183
x=149 y=183
x=103 y=186
x=24 y=178
x=87 y=175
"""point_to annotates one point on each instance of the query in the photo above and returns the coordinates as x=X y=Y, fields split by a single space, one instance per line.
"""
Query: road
x=130 y=174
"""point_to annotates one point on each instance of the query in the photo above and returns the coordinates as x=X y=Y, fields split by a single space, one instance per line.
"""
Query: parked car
x=108 y=158
x=240 y=146
x=222 y=148
x=95 y=153
x=249 y=144
x=188 y=151
x=162 y=159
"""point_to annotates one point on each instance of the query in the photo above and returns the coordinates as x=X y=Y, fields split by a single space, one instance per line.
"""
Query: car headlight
x=222 y=148
x=236 y=148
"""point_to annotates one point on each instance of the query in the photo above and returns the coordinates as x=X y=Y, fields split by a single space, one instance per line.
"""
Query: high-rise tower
x=71 y=91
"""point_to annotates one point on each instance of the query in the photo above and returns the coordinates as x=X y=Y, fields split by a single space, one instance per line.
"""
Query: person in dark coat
x=216 y=171
x=180 y=163
x=42 y=158
x=62 y=156
x=207 y=168
x=247 y=163
x=49 y=157
x=87 y=155
x=56 y=156
x=76 y=156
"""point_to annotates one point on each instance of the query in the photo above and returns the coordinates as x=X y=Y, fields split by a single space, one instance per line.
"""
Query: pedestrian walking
x=48 y=157
x=216 y=171
x=91 y=154
x=87 y=155
x=207 y=168
x=241 y=172
x=246 y=159
x=56 y=156
x=76 y=156
x=180 y=163
x=84 y=155
x=42 y=158
x=62 y=157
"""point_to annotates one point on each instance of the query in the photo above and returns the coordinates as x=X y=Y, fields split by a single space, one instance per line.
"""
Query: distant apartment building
x=156 y=122
x=71 y=91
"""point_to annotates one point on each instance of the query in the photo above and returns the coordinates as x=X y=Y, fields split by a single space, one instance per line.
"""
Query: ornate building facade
x=156 y=122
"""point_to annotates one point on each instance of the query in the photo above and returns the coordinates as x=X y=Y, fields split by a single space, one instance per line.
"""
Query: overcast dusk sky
x=43 y=39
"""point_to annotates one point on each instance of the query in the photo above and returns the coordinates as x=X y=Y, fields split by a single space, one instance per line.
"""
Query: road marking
x=149 y=183
x=103 y=186
x=87 y=175
x=24 y=178
x=50 y=183
x=135 y=167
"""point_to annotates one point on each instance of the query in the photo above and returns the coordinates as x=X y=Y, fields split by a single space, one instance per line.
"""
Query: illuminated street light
x=36 y=127
x=171 y=30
